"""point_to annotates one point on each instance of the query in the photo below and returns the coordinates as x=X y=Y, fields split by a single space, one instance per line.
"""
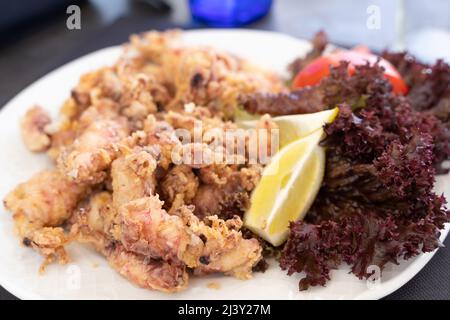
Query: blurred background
x=38 y=36
x=35 y=36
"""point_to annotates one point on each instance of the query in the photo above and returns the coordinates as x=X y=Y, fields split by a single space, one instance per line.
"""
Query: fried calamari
x=123 y=182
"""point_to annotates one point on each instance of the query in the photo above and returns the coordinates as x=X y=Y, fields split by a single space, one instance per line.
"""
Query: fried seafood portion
x=93 y=223
x=152 y=248
x=39 y=207
x=201 y=75
x=157 y=73
x=97 y=215
x=91 y=154
x=225 y=193
x=147 y=229
x=33 y=125
x=161 y=136
x=126 y=177
x=179 y=187
x=132 y=177
x=224 y=249
x=48 y=198
x=147 y=273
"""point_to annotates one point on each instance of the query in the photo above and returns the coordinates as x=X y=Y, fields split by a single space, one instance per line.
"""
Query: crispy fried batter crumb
x=213 y=285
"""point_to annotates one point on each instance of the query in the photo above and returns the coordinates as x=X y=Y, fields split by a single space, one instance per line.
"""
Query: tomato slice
x=398 y=85
x=319 y=68
x=314 y=72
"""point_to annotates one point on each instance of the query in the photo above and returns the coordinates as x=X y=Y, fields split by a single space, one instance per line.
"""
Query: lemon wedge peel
x=287 y=188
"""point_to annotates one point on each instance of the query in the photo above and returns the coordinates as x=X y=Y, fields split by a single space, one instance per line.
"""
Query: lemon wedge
x=294 y=127
x=288 y=187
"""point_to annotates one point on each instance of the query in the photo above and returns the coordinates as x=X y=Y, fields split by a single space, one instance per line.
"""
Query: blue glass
x=228 y=13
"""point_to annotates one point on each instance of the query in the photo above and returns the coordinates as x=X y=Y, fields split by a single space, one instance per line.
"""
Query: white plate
x=89 y=276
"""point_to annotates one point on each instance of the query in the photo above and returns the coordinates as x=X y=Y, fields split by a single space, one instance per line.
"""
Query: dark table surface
x=34 y=49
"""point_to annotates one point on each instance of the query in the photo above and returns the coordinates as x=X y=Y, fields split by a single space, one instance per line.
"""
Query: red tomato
x=319 y=68
x=313 y=72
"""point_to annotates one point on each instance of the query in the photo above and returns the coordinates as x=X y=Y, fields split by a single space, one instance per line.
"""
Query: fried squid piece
x=178 y=187
x=133 y=183
x=132 y=176
x=147 y=229
x=161 y=136
x=48 y=241
x=213 y=79
x=197 y=120
x=33 y=125
x=144 y=227
x=147 y=273
x=224 y=249
x=142 y=95
x=91 y=154
x=99 y=213
x=93 y=223
x=83 y=93
x=103 y=109
x=225 y=195
x=48 y=197
x=39 y=206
